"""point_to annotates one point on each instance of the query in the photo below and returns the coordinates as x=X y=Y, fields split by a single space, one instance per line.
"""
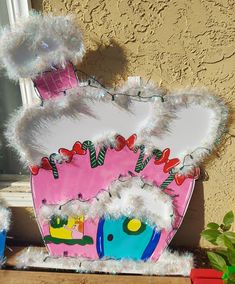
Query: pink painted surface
x=77 y=177
x=53 y=83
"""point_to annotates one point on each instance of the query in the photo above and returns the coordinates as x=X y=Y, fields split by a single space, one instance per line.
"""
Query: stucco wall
x=176 y=44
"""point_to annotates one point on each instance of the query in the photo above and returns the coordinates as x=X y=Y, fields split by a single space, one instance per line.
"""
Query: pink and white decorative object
x=53 y=83
x=112 y=172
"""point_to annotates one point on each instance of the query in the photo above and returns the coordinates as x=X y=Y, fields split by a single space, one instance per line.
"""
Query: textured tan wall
x=176 y=44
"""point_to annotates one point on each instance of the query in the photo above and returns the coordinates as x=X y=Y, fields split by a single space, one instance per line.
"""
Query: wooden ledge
x=38 y=277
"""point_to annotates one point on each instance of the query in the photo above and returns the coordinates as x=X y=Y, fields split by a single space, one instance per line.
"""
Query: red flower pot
x=206 y=276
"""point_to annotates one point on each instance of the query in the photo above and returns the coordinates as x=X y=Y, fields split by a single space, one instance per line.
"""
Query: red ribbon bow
x=121 y=142
x=45 y=164
x=180 y=178
x=169 y=164
x=77 y=149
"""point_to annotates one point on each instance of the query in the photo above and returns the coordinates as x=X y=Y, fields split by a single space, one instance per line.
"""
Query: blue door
x=127 y=238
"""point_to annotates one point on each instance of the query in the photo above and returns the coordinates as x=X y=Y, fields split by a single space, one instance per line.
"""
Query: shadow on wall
x=108 y=63
x=188 y=234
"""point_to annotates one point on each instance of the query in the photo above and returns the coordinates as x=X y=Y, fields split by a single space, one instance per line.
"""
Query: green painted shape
x=167 y=181
x=141 y=163
x=95 y=162
x=62 y=221
x=86 y=240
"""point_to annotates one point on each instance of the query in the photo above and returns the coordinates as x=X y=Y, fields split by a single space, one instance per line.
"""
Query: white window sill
x=15 y=191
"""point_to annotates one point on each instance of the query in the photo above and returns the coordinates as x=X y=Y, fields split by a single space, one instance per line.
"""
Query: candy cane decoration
x=95 y=162
x=140 y=165
x=53 y=165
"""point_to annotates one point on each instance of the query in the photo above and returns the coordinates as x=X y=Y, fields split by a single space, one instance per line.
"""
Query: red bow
x=121 y=142
x=45 y=164
x=180 y=178
x=169 y=164
x=77 y=149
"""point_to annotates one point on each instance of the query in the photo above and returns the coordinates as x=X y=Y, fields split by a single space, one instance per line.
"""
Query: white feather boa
x=169 y=263
x=132 y=197
x=39 y=131
x=5 y=218
x=39 y=42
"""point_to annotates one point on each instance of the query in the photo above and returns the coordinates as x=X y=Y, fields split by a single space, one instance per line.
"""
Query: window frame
x=15 y=189
x=17 y=9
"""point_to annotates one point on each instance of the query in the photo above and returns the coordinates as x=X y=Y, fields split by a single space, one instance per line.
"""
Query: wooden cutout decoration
x=113 y=171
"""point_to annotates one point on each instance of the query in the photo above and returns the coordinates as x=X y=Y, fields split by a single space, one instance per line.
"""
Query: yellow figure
x=64 y=229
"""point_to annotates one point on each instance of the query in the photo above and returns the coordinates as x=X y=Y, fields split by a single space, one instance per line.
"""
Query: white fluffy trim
x=169 y=263
x=5 y=218
x=190 y=123
x=38 y=43
x=132 y=197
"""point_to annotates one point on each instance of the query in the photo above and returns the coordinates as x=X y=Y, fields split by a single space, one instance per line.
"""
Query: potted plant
x=223 y=259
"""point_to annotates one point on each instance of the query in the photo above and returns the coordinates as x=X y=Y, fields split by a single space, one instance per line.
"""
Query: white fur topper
x=169 y=263
x=37 y=43
x=189 y=122
x=132 y=197
x=5 y=218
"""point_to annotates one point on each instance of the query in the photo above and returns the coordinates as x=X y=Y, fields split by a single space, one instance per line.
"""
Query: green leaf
x=217 y=261
x=228 y=218
x=210 y=235
x=213 y=226
x=231 y=257
x=223 y=253
x=231 y=273
x=224 y=241
x=231 y=236
x=225 y=228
